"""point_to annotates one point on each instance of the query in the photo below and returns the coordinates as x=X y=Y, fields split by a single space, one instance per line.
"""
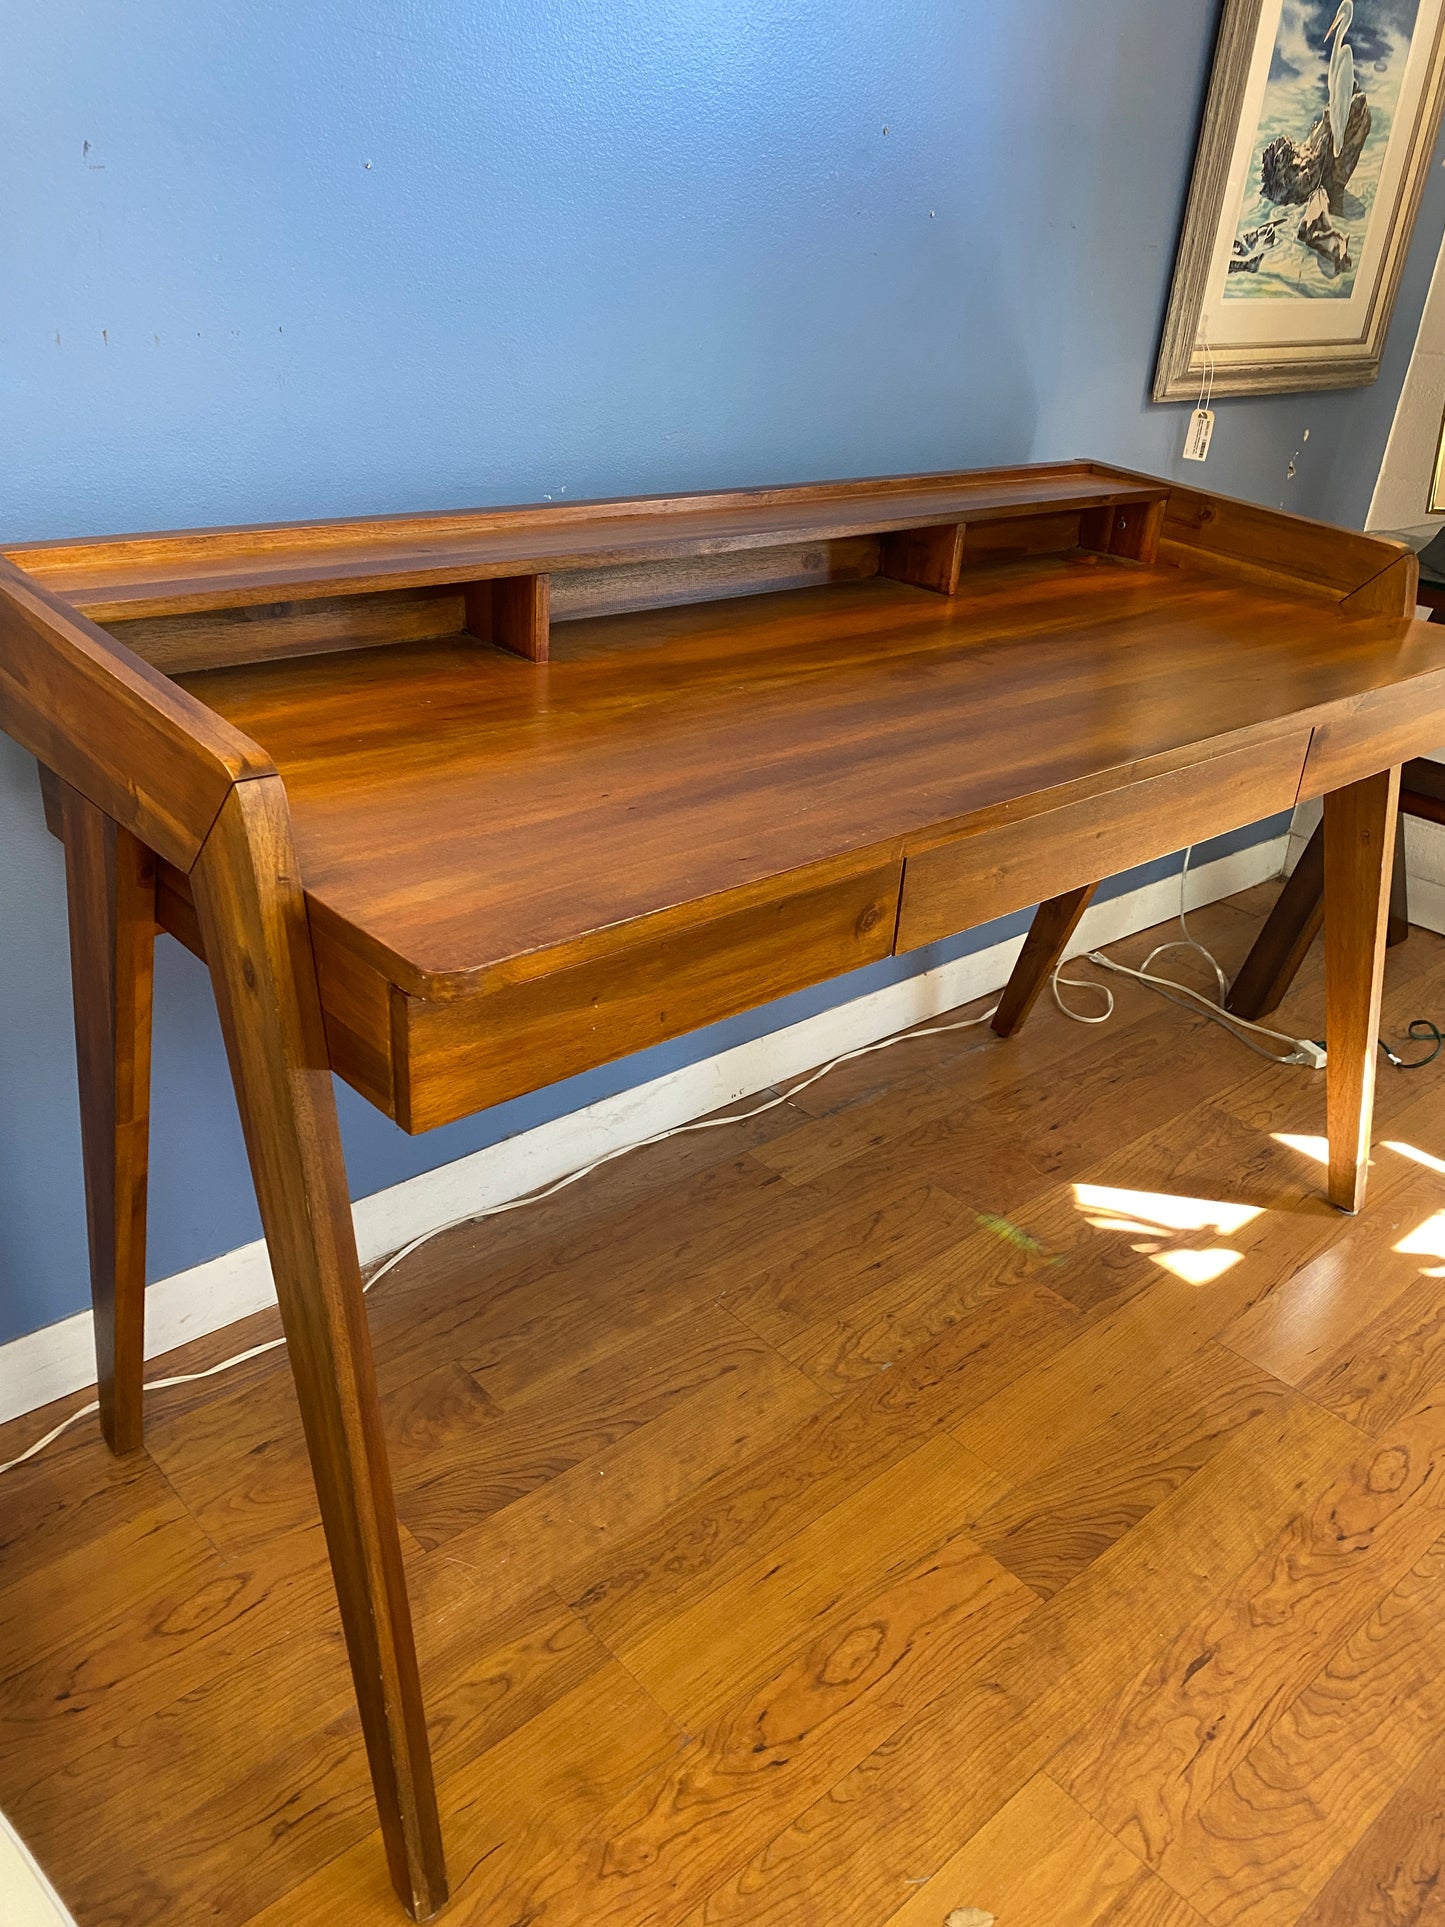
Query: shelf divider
x=513 y=611
x=928 y=558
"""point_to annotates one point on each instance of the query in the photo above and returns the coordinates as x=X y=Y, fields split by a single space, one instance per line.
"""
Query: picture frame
x=1437 y=483
x=1302 y=198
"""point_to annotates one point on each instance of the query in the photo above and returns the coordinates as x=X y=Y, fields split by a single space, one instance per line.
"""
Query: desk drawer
x=451 y=1059
x=1006 y=867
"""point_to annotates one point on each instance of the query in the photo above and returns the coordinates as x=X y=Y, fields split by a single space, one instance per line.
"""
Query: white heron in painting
x=1342 y=72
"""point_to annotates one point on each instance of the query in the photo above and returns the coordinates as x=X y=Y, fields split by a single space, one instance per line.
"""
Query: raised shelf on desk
x=126 y=577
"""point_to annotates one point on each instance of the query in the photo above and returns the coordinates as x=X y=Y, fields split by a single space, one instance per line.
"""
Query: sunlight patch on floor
x=1162 y=1219
x=1427 y=1240
x=1199 y=1267
x=1112 y=1209
x=1415 y=1154
x=1317 y=1148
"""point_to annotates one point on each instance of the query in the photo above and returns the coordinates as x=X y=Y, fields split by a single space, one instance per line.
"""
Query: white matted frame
x=1254 y=304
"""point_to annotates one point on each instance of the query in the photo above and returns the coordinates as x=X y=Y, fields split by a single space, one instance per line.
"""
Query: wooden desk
x=458 y=805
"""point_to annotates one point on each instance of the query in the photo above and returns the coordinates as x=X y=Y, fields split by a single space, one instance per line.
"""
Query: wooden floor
x=995 y=1480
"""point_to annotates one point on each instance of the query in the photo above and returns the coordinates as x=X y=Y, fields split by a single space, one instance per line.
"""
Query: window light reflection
x=1163 y=1218
x=1317 y=1148
x=1427 y=1240
x=1151 y=1211
x=1199 y=1267
x=1416 y=1156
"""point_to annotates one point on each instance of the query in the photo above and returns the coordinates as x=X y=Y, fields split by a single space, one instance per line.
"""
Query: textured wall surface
x=268 y=260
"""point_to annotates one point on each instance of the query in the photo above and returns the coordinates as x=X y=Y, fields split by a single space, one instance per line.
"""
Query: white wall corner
x=1425 y=868
x=1402 y=489
x=59 y=1359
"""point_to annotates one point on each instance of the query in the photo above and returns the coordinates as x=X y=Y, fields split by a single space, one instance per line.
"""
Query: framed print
x=1437 y=484
x=1317 y=137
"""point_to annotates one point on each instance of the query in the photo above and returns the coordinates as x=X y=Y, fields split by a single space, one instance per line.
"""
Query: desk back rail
x=177 y=599
x=202 y=599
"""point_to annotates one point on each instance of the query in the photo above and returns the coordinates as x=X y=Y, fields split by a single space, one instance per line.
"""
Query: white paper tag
x=1201 y=434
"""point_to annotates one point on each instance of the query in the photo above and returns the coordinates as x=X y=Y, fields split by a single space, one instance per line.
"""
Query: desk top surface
x=459 y=810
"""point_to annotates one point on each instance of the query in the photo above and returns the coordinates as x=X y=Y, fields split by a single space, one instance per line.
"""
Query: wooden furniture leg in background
x=1359 y=845
x=1054 y=923
x=1293 y=924
x=253 y=923
x=111 y=894
x=1283 y=943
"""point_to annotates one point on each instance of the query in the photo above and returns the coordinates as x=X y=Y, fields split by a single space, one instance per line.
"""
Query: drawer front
x=1011 y=865
x=455 y=1058
x=1375 y=732
x=356 y=1011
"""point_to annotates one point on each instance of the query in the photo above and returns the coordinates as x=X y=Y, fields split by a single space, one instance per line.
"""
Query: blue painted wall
x=266 y=260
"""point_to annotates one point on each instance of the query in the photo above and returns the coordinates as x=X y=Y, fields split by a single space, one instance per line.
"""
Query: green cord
x=1421 y=1031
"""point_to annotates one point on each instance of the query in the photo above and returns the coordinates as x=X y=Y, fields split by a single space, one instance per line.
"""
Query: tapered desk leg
x=1284 y=942
x=253 y=923
x=1293 y=924
x=1359 y=831
x=1054 y=923
x=110 y=889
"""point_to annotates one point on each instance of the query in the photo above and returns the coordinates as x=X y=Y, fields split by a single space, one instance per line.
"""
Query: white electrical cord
x=516 y=1204
x=1302 y=1050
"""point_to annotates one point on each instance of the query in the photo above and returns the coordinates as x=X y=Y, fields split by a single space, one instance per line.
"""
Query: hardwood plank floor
x=993 y=1480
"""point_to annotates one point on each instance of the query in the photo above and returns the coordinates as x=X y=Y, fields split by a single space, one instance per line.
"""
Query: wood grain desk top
x=459 y=811
x=567 y=779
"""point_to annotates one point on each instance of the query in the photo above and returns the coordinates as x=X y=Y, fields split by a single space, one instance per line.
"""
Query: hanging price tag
x=1201 y=434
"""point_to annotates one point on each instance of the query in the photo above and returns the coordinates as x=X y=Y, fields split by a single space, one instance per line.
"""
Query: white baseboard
x=1425 y=867
x=27 y=1898
x=59 y=1359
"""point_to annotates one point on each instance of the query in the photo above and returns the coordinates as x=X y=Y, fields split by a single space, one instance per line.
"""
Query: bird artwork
x=1293 y=172
x=1342 y=72
x=1317 y=137
x=1311 y=163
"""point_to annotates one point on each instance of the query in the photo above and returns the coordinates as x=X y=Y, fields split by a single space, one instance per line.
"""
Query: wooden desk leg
x=1054 y=923
x=1293 y=924
x=111 y=894
x=1283 y=943
x=1359 y=831
x=253 y=922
